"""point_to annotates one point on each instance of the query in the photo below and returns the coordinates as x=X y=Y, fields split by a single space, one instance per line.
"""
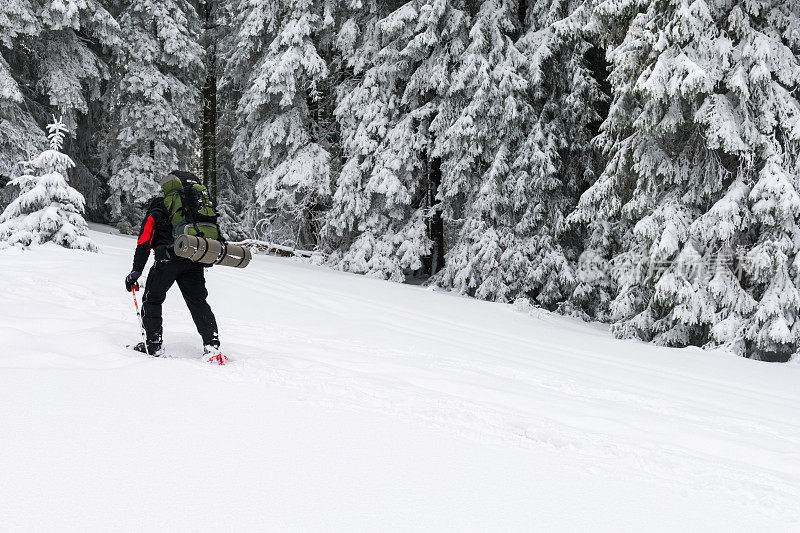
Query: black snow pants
x=192 y=283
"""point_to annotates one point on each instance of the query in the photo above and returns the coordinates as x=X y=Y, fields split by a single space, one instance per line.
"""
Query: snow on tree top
x=56 y=133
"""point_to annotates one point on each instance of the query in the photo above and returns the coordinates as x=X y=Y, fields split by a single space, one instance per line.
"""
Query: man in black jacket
x=156 y=235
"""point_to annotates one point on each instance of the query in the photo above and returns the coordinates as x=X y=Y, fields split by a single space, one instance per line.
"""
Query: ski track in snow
x=707 y=424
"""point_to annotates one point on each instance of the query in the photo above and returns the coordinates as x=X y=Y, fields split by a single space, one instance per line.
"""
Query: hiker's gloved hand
x=130 y=280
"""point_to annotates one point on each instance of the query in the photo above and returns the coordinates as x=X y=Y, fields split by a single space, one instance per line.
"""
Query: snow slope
x=361 y=405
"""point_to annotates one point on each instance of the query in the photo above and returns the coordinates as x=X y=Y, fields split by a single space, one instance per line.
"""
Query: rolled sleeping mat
x=235 y=256
x=212 y=252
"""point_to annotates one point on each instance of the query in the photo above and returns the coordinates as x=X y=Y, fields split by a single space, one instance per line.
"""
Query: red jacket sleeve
x=144 y=244
x=147 y=232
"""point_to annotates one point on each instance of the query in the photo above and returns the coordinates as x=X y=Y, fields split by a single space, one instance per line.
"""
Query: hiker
x=157 y=234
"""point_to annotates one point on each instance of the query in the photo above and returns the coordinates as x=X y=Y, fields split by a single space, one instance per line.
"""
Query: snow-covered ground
x=360 y=405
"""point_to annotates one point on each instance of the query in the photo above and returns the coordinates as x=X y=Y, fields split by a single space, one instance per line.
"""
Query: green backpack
x=189 y=205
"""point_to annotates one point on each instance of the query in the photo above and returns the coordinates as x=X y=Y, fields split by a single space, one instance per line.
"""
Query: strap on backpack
x=186 y=212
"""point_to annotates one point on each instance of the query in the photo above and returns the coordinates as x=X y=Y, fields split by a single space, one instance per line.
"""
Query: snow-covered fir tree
x=154 y=101
x=70 y=71
x=403 y=63
x=518 y=155
x=487 y=101
x=703 y=139
x=47 y=208
x=272 y=58
x=20 y=137
x=57 y=52
x=235 y=190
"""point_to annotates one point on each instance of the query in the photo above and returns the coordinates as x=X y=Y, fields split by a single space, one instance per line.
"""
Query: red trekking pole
x=139 y=316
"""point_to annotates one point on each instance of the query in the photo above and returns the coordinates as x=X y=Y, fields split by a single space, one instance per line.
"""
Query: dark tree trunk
x=209 y=139
x=320 y=99
x=597 y=63
x=435 y=261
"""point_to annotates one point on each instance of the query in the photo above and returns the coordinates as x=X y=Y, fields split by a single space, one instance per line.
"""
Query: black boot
x=152 y=349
